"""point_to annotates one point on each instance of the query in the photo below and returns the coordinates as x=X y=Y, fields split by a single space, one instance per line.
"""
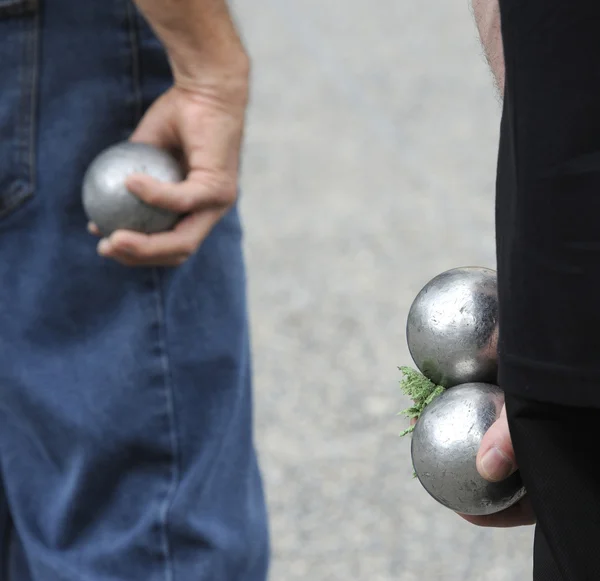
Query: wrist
x=229 y=67
x=220 y=67
x=202 y=43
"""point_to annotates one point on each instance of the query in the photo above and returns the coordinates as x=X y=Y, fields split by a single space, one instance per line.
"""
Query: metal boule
x=444 y=448
x=452 y=327
x=107 y=201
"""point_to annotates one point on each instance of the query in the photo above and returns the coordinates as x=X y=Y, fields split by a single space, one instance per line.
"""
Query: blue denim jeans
x=126 y=435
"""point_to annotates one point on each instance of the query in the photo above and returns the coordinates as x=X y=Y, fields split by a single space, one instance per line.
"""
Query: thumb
x=496 y=457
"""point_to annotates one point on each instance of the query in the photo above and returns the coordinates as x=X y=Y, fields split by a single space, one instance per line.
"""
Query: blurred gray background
x=369 y=168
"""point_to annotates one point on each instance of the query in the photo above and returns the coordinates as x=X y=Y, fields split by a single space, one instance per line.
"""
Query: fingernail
x=495 y=465
x=103 y=247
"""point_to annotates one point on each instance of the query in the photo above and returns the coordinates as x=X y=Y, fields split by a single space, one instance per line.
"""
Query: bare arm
x=199 y=37
x=487 y=18
x=202 y=117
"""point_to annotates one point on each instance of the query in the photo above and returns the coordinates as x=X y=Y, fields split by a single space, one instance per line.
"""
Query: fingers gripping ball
x=452 y=327
x=452 y=334
x=445 y=443
x=107 y=201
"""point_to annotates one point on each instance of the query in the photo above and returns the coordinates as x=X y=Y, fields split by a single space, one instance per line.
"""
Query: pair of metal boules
x=452 y=334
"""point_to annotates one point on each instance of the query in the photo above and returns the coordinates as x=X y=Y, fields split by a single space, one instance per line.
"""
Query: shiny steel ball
x=452 y=327
x=110 y=205
x=444 y=449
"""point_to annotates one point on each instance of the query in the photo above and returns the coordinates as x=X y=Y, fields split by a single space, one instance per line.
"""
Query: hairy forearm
x=200 y=37
x=487 y=18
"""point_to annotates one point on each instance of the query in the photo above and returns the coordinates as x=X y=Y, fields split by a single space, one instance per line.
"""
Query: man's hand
x=206 y=128
x=495 y=462
x=201 y=118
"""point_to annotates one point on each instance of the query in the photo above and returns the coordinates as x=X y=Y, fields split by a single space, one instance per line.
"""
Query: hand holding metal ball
x=452 y=334
x=107 y=201
x=444 y=449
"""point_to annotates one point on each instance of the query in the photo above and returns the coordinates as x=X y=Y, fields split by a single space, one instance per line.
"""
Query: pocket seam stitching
x=23 y=186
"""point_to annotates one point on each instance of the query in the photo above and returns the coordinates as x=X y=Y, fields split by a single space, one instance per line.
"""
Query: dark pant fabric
x=555 y=447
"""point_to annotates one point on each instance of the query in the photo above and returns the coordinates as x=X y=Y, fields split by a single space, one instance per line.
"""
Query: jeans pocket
x=19 y=36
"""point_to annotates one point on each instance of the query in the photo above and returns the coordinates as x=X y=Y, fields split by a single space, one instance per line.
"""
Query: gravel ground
x=369 y=168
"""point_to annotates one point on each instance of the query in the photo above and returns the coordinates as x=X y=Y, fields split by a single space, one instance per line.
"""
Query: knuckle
x=228 y=194
x=223 y=190
x=184 y=204
x=215 y=189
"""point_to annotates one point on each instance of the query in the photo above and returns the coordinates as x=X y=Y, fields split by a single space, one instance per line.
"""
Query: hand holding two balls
x=461 y=447
x=152 y=209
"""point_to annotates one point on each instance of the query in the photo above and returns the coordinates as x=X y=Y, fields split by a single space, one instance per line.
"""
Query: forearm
x=200 y=38
x=487 y=18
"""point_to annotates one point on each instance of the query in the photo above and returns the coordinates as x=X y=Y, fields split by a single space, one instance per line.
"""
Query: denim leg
x=126 y=436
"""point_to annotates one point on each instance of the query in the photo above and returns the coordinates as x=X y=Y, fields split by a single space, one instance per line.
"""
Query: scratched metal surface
x=369 y=168
x=444 y=446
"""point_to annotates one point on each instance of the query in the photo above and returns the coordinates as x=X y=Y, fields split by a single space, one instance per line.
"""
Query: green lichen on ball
x=421 y=390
